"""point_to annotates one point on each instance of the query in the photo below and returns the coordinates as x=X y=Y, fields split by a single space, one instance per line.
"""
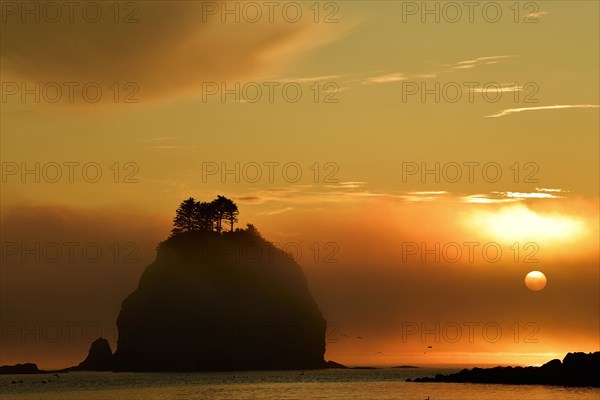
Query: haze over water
x=380 y=384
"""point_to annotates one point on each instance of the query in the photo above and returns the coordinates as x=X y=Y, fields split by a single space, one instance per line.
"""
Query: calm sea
x=379 y=384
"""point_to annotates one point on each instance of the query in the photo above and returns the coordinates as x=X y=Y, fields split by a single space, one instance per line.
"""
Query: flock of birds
x=58 y=376
x=43 y=380
x=381 y=352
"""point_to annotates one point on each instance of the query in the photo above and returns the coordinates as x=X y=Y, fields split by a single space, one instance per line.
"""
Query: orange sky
x=359 y=178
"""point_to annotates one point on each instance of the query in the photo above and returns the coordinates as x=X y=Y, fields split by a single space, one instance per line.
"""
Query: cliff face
x=220 y=302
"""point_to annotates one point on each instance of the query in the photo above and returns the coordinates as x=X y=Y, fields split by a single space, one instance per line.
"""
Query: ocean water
x=378 y=384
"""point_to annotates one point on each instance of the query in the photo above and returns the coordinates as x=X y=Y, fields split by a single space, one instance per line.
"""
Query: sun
x=535 y=281
x=519 y=223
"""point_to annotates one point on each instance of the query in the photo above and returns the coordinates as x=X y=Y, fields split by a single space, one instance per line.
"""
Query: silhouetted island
x=28 y=368
x=576 y=369
x=219 y=300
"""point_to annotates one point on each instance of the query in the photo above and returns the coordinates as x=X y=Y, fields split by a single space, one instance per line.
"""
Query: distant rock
x=100 y=358
x=576 y=369
x=212 y=301
x=28 y=368
x=333 y=364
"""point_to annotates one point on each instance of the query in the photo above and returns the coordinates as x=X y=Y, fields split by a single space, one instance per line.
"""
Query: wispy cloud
x=550 y=190
x=536 y=15
x=346 y=185
x=485 y=199
x=478 y=61
x=502 y=87
x=540 y=108
x=509 y=197
x=466 y=64
x=310 y=79
x=387 y=78
x=534 y=195
x=275 y=212
x=341 y=193
x=429 y=193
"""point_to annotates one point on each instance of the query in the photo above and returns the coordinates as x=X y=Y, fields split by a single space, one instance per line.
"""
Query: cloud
x=536 y=15
x=467 y=64
x=346 y=185
x=429 y=193
x=550 y=190
x=520 y=195
x=499 y=88
x=354 y=192
x=485 y=199
x=509 y=197
x=169 y=53
x=309 y=79
x=387 y=78
x=480 y=60
x=555 y=107
x=276 y=212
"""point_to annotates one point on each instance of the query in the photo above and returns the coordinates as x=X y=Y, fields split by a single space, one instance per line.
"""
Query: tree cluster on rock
x=194 y=215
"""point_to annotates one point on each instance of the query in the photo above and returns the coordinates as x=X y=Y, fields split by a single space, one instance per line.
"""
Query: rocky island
x=576 y=369
x=217 y=299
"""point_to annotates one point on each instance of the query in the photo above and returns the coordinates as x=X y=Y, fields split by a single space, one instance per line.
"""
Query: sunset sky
x=505 y=107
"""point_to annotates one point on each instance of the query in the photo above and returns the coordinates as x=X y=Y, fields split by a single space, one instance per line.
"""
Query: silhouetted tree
x=223 y=208
x=231 y=212
x=206 y=216
x=252 y=230
x=186 y=217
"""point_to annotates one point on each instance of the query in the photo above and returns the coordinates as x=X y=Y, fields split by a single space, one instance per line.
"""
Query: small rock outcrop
x=28 y=368
x=576 y=369
x=100 y=357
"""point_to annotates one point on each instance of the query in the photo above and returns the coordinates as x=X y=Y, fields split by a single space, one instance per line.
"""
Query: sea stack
x=220 y=301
